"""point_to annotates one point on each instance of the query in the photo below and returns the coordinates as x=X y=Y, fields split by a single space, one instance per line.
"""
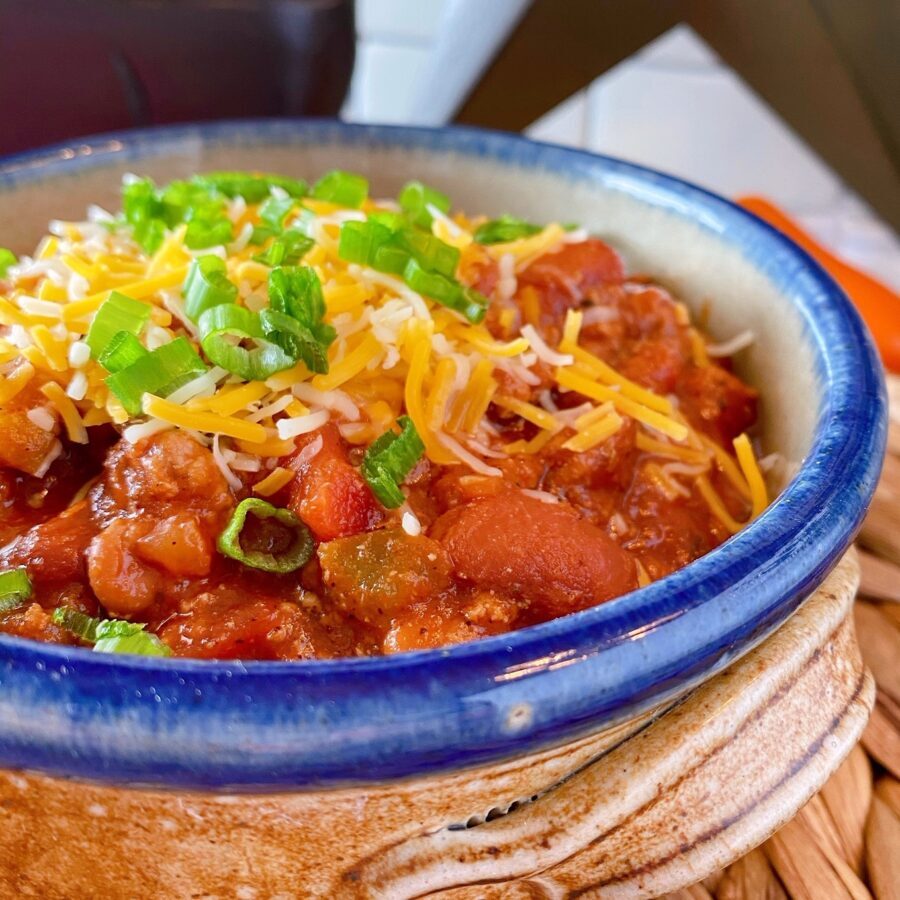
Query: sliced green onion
x=116 y=636
x=110 y=635
x=464 y=300
x=122 y=350
x=390 y=258
x=7 y=259
x=297 y=341
x=506 y=228
x=430 y=252
x=79 y=623
x=150 y=234
x=341 y=188
x=143 y=211
x=117 y=313
x=206 y=286
x=185 y=201
x=359 y=241
x=275 y=210
x=297 y=291
x=226 y=328
x=203 y=233
x=160 y=372
x=372 y=243
x=253 y=188
x=415 y=198
x=295 y=555
x=261 y=233
x=288 y=249
x=391 y=220
x=15 y=589
x=390 y=459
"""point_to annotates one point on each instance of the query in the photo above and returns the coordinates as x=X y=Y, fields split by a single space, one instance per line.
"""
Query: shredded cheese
x=13 y=383
x=210 y=423
x=68 y=412
x=578 y=382
x=759 y=496
x=529 y=412
x=594 y=434
x=396 y=352
x=717 y=506
x=278 y=478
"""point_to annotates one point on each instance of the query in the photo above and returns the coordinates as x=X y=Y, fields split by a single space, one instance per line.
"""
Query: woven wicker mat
x=845 y=843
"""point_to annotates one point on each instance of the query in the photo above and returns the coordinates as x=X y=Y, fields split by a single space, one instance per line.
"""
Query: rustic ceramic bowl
x=364 y=773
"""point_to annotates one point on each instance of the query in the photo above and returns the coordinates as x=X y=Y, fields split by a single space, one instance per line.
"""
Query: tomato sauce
x=130 y=531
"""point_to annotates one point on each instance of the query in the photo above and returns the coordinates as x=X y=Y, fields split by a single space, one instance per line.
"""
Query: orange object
x=877 y=304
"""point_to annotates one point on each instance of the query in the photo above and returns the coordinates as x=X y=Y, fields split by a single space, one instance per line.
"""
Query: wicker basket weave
x=845 y=843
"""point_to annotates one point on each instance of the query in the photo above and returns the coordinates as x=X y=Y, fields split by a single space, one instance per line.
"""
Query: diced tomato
x=717 y=402
x=329 y=494
x=543 y=553
x=563 y=278
x=655 y=364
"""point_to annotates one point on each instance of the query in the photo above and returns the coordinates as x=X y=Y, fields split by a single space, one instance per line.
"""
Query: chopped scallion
x=415 y=198
x=79 y=623
x=342 y=188
x=110 y=635
x=360 y=241
x=203 y=233
x=446 y=291
x=206 y=286
x=143 y=211
x=297 y=292
x=391 y=220
x=287 y=249
x=297 y=542
x=390 y=459
x=506 y=228
x=122 y=350
x=15 y=589
x=7 y=259
x=294 y=338
x=117 y=313
x=226 y=328
x=430 y=252
x=275 y=210
x=159 y=373
x=254 y=188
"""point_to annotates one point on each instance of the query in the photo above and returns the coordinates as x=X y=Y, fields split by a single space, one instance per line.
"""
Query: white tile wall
x=393 y=21
x=674 y=106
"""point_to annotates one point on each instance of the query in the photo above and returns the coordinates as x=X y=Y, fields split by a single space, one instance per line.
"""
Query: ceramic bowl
x=541 y=694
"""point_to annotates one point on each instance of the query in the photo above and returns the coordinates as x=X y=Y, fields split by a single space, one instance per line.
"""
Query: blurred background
x=796 y=100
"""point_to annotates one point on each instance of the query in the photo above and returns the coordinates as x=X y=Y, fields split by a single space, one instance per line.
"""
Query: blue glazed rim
x=264 y=726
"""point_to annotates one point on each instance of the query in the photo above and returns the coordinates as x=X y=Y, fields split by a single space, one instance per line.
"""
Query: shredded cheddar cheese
x=395 y=352
x=273 y=482
x=758 y=494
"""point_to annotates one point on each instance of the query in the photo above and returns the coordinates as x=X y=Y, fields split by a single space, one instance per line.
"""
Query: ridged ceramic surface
x=631 y=812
